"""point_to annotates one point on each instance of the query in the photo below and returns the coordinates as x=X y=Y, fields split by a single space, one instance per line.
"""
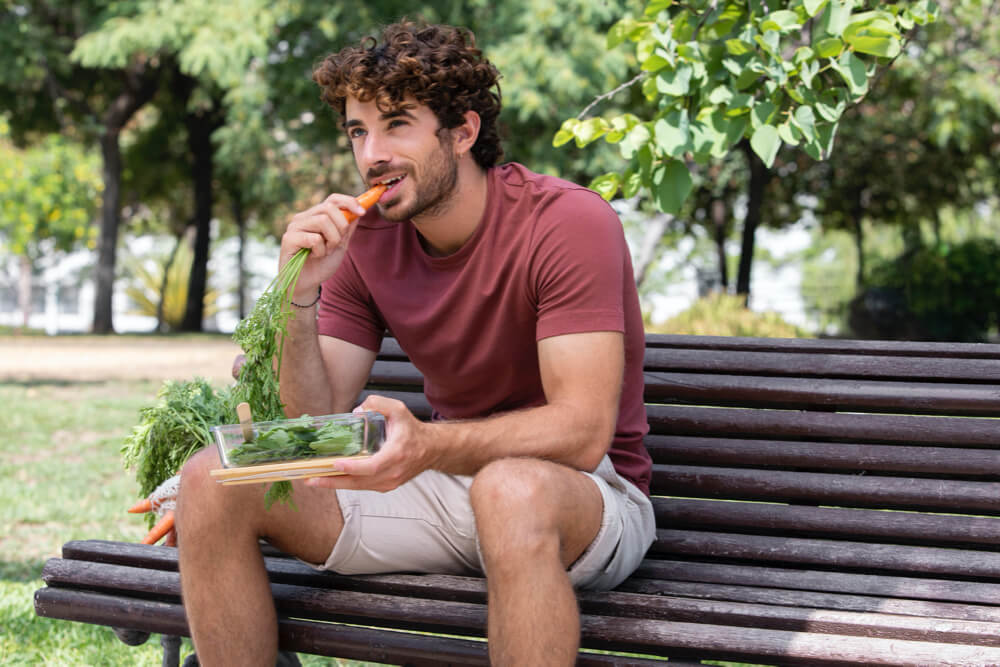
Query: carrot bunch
x=160 y=528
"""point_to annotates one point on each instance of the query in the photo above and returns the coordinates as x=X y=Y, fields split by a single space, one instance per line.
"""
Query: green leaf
x=765 y=142
x=853 y=71
x=805 y=120
x=874 y=33
x=624 y=29
x=673 y=135
x=829 y=47
x=830 y=105
x=590 y=130
x=675 y=82
x=789 y=133
x=813 y=6
x=738 y=47
x=671 y=185
x=566 y=132
x=762 y=113
x=631 y=184
x=836 y=17
x=606 y=185
x=783 y=20
x=636 y=138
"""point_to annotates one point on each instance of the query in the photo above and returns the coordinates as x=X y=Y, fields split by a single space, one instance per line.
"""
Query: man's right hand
x=325 y=231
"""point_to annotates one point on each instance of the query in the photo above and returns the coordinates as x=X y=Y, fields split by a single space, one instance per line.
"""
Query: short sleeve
x=347 y=311
x=578 y=266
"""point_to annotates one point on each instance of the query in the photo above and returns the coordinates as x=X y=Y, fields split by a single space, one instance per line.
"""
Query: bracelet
x=319 y=291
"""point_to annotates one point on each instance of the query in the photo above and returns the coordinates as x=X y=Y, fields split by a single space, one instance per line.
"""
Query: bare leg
x=224 y=585
x=534 y=519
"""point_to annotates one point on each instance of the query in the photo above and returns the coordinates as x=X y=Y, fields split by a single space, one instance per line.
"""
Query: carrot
x=141 y=507
x=161 y=528
x=366 y=199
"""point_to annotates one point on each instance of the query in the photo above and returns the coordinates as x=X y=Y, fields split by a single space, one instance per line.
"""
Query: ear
x=464 y=136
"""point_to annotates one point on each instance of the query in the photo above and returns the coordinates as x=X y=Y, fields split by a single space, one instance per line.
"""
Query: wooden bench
x=817 y=502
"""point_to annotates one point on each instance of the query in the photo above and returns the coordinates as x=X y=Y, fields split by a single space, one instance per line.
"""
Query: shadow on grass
x=21 y=571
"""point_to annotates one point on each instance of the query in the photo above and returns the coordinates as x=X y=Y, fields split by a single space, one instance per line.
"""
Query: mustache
x=378 y=172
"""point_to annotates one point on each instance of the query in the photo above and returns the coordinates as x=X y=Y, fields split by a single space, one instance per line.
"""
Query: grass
x=63 y=479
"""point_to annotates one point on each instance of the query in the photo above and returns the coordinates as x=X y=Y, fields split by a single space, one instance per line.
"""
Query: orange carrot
x=141 y=507
x=366 y=199
x=161 y=528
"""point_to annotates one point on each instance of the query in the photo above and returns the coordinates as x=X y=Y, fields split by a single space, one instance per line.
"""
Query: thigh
x=425 y=525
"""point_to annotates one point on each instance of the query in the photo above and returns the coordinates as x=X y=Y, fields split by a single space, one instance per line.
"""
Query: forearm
x=556 y=432
x=305 y=387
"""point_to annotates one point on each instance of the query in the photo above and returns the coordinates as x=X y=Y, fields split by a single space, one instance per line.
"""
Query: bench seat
x=817 y=502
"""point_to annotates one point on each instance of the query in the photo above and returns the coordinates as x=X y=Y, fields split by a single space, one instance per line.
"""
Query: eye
x=396 y=122
x=355 y=132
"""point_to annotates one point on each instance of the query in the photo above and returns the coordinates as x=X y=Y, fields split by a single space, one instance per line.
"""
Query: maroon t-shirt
x=548 y=258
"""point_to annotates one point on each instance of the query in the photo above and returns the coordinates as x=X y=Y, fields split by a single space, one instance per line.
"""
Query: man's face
x=407 y=147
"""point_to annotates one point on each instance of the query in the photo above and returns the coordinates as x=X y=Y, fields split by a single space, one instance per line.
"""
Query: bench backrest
x=807 y=443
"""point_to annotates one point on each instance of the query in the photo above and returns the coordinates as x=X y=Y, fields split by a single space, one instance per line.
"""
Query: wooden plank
x=389 y=373
x=882 y=586
x=798 y=393
x=817 y=488
x=936 y=350
x=841 y=554
x=909 y=527
x=326 y=603
x=696 y=450
x=823 y=364
x=821 y=426
x=811 y=600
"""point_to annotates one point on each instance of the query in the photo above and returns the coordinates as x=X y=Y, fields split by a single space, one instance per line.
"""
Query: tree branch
x=610 y=94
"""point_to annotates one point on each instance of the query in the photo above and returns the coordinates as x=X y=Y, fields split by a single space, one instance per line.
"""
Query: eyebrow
x=395 y=113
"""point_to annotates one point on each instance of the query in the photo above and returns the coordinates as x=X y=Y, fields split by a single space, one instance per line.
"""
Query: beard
x=433 y=184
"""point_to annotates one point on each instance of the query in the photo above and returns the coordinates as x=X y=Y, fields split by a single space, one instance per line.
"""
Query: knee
x=513 y=505
x=199 y=493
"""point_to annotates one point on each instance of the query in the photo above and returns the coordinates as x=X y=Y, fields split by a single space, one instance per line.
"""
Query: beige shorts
x=427 y=526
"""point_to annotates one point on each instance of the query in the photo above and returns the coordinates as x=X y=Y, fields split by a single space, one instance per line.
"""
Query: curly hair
x=439 y=66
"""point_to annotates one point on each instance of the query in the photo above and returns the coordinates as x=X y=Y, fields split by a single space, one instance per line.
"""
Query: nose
x=374 y=150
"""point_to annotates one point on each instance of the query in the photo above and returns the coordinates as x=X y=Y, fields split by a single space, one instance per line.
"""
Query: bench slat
x=828 y=346
x=823 y=365
x=895 y=526
x=901 y=493
x=835 y=427
x=859 y=556
x=463 y=617
x=806 y=393
x=695 y=450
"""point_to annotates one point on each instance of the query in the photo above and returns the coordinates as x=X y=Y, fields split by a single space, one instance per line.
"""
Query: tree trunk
x=161 y=320
x=655 y=229
x=200 y=127
x=857 y=215
x=759 y=175
x=139 y=86
x=719 y=232
x=24 y=290
x=236 y=196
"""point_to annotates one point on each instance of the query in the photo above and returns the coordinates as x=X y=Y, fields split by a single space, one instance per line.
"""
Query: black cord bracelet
x=319 y=292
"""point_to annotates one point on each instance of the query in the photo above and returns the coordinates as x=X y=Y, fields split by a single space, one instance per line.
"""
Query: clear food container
x=295 y=448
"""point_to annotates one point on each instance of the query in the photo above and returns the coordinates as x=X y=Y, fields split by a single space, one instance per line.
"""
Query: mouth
x=391 y=184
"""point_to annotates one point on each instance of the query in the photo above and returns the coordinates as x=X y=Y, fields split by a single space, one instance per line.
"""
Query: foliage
x=727 y=315
x=48 y=192
x=173 y=429
x=154 y=289
x=775 y=73
x=949 y=293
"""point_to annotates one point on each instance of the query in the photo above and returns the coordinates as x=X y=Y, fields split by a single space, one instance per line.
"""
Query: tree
x=48 y=197
x=752 y=76
x=48 y=91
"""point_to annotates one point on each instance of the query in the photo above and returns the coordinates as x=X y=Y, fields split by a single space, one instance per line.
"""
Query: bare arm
x=582 y=377
x=319 y=375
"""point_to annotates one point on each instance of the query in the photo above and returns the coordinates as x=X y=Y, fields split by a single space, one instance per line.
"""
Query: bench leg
x=171 y=650
x=285 y=659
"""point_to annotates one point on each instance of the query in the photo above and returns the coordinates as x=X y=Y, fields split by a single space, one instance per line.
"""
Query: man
x=512 y=293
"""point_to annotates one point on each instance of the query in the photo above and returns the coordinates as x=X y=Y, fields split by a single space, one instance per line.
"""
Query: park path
x=96 y=358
